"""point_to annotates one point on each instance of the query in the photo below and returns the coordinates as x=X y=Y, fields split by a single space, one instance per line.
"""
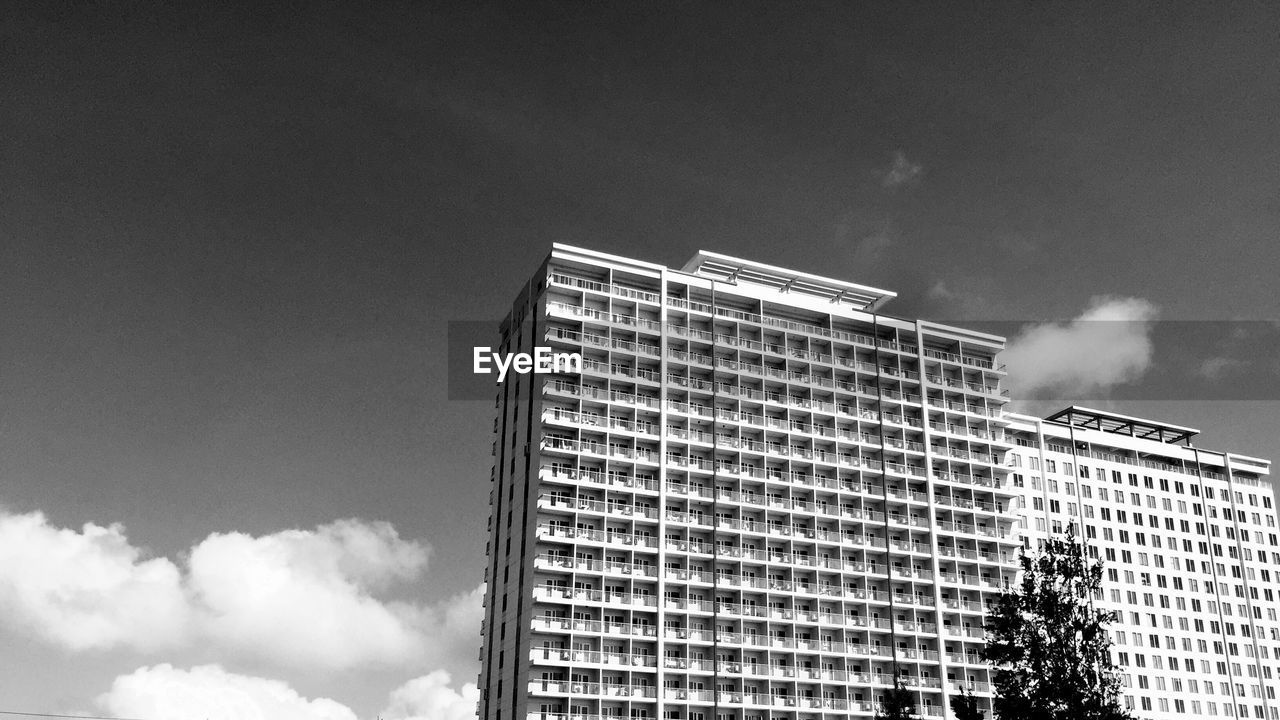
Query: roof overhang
x=1091 y=419
x=730 y=269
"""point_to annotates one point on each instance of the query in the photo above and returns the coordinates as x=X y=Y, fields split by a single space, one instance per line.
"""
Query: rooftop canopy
x=1122 y=425
x=731 y=269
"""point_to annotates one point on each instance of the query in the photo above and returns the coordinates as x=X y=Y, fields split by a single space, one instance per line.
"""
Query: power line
x=55 y=715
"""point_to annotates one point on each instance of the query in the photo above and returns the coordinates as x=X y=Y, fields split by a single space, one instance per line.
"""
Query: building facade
x=1189 y=546
x=763 y=498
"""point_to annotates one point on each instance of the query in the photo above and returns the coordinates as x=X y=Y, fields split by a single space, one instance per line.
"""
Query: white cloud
x=303 y=597
x=309 y=599
x=89 y=589
x=454 y=629
x=208 y=692
x=430 y=698
x=1218 y=367
x=964 y=302
x=902 y=171
x=871 y=249
x=1108 y=344
x=941 y=293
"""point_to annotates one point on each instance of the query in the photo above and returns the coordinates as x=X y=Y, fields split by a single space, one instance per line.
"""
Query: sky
x=231 y=238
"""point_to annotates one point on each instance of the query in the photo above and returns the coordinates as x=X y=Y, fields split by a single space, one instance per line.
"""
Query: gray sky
x=231 y=238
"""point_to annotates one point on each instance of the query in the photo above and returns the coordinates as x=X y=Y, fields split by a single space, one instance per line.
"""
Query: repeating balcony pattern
x=735 y=508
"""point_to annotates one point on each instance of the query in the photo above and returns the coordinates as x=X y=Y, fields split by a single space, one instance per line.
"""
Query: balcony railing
x=615 y=508
x=578 y=311
x=599 y=448
x=566 y=280
x=970 y=360
x=571 y=388
x=555 y=687
x=610 y=537
x=806 y=328
x=555 y=624
x=601 y=477
x=603 y=422
x=547 y=593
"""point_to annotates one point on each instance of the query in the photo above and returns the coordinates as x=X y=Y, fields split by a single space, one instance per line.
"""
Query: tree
x=965 y=706
x=899 y=703
x=1048 y=644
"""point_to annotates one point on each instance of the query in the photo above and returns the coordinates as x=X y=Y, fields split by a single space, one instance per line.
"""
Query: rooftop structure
x=732 y=270
x=1123 y=425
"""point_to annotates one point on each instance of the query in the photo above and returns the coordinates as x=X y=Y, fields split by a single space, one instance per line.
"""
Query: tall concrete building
x=761 y=498
x=1190 y=551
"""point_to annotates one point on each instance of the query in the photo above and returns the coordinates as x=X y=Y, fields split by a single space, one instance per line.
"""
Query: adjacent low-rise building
x=1190 y=551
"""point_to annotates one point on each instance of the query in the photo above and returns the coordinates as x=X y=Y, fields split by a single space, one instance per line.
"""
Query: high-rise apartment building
x=1190 y=551
x=760 y=498
x=763 y=498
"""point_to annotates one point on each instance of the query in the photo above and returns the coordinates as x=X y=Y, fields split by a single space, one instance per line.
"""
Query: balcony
x=963 y=605
x=555 y=593
x=565 y=387
x=596 y=367
x=610 y=508
x=976 y=556
x=962 y=407
x=965 y=479
x=752 y=640
x=579 y=312
x=970 y=360
x=597 y=421
x=560 y=625
x=976 y=633
x=600 y=477
x=560 y=562
x=608 y=537
x=641 y=660
x=598 y=449
x=972 y=581
x=570 y=281
x=968 y=529
x=556 y=687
